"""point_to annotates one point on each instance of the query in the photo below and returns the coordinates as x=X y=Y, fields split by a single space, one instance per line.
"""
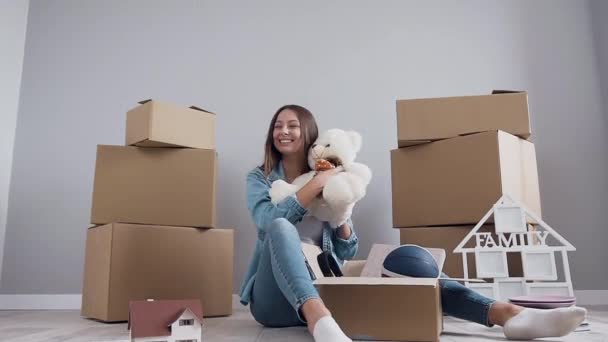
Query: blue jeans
x=283 y=284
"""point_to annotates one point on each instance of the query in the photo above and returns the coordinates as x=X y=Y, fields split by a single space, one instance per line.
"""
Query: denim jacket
x=263 y=212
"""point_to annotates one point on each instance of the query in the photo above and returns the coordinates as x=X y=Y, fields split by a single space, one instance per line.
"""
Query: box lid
x=421 y=120
x=503 y=91
x=191 y=107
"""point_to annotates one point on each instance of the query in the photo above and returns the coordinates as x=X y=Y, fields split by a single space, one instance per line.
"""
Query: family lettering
x=536 y=238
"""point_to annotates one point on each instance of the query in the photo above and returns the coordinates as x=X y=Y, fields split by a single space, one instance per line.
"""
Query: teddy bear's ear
x=355 y=139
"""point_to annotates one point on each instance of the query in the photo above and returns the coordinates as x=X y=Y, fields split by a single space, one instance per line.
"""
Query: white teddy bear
x=342 y=190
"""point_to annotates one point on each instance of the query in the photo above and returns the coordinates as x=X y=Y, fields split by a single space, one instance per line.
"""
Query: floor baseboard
x=72 y=301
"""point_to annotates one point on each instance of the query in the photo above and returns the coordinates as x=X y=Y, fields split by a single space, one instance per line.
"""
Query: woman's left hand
x=344 y=231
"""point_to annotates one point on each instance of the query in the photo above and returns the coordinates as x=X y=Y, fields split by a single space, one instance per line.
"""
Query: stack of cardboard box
x=457 y=156
x=154 y=214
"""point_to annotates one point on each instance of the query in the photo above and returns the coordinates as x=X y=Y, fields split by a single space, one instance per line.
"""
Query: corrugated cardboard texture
x=386 y=312
x=456 y=181
x=160 y=124
x=97 y=259
x=164 y=186
x=448 y=238
x=157 y=262
x=441 y=118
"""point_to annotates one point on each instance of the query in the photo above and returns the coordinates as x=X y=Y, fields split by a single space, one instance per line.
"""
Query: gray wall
x=13 y=23
x=87 y=63
x=599 y=10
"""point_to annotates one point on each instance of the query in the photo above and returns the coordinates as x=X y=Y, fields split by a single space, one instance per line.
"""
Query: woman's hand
x=344 y=231
x=315 y=186
x=321 y=177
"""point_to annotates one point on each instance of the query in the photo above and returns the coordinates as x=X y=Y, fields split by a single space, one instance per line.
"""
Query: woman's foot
x=501 y=312
x=534 y=323
x=327 y=330
x=321 y=325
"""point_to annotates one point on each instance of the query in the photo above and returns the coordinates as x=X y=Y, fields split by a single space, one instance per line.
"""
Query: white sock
x=536 y=323
x=327 y=330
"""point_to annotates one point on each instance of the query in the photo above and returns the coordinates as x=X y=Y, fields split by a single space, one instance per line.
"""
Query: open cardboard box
x=376 y=308
x=424 y=120
x=160 y=124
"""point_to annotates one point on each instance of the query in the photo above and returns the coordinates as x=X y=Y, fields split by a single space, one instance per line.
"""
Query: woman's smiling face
x=286 y=133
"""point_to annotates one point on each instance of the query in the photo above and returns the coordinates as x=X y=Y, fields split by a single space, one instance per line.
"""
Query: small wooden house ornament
x=538 y=247
x=165 y=320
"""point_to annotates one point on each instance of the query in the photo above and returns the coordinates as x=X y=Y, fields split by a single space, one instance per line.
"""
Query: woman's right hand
x=315 y=186
x=321 y=177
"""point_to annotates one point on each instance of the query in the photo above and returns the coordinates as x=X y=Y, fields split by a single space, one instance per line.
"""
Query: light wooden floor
x=37 y=326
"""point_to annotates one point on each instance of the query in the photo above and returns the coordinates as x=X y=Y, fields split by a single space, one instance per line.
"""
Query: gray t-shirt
x=310 y=230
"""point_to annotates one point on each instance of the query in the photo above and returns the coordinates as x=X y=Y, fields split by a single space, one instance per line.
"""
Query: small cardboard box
x=375 y=308
x=424 y=120
x=163 y=186
x=160 y=124
x=456 y=181
x=448 y=238
x=125 y=262
x=394 y=309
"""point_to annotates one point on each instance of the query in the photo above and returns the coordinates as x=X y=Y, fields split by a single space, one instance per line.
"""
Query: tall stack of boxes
x=457 y=156
x=154 y=217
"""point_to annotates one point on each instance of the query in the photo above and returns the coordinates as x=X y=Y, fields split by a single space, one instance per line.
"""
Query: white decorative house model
x=538 y=248
x=165 y=320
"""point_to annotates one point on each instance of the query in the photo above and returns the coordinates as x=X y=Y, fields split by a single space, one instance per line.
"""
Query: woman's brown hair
x=308 y=130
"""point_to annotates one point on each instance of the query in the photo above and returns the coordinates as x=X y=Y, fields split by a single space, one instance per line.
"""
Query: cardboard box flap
x=480 y=132
x=413 y=142
x=352 y=268
x=201 y=109
x=504 y=91
x=431 y=282
x=191 y=107
x=310 y=256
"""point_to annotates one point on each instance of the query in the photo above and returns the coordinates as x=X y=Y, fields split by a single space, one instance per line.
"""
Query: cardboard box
x=160 y=124
x=126 y=262
x=424 y=120
x=448 y=238
x=456 y=181
x=396 y=309
x=164 y=186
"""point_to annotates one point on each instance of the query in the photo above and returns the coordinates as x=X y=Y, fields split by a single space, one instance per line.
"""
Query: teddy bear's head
x=336 y=146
